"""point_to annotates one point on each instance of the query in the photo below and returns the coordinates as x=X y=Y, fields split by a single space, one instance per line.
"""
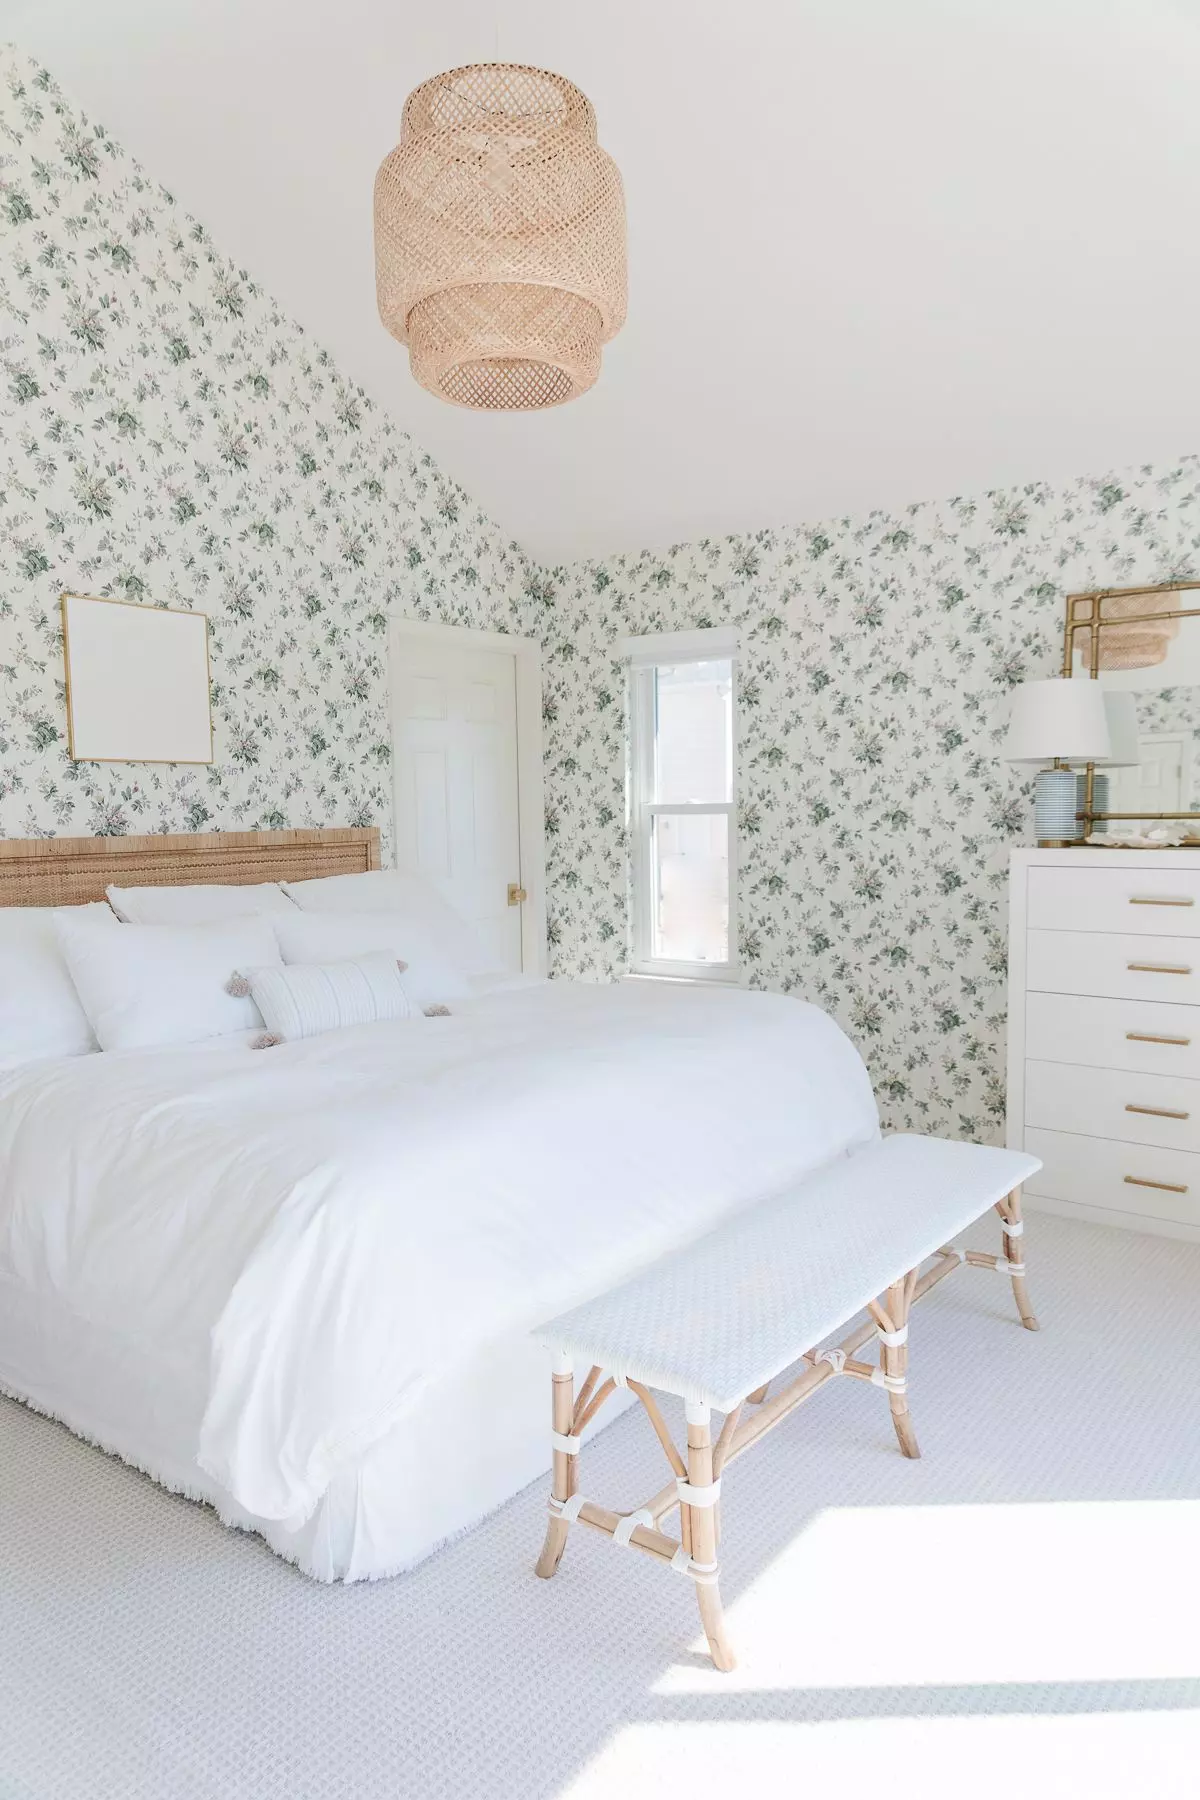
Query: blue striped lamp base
x=1055 y=805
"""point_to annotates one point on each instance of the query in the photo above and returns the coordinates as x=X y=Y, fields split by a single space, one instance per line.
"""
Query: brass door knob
x=516 y=893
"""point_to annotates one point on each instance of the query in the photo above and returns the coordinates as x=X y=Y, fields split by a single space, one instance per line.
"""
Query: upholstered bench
x=715 y=1322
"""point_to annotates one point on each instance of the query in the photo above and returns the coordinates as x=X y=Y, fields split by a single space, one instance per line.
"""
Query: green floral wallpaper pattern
x=169 y=436
x=875 y=815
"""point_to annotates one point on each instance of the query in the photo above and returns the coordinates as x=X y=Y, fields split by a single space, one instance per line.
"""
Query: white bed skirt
x=475 y=1440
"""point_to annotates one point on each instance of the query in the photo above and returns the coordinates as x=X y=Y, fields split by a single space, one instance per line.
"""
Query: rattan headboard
x=67 y=871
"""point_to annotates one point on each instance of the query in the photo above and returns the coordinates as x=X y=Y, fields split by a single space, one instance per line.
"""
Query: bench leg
x=1010 y=1213
x=703 y=1532
x=893 y=1360
x=563 y=1478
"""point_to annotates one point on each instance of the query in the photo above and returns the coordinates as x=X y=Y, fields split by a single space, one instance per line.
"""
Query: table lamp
x=1057 y=722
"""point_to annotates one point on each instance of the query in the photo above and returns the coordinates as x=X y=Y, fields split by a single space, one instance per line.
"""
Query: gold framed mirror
x=1142 y=645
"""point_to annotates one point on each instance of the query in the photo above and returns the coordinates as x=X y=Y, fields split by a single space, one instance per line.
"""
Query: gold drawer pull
x=1160 y=968
x=1149 y=1037
x=1148 y=900
x=1157 y=1112
x=1167 y=1187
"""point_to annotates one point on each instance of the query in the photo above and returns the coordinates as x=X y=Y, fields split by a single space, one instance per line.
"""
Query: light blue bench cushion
x=714 y=1321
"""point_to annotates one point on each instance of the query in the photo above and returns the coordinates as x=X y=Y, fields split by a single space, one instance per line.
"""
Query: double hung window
x=683 y=825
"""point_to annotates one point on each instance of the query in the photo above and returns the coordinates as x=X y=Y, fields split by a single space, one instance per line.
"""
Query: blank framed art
x=137 y=682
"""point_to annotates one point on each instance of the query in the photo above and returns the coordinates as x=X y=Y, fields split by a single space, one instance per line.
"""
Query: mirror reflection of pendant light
x=500 y=238
x=1142 y=645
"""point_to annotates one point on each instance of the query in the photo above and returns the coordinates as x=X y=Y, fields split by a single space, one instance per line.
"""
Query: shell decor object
x=500 y=238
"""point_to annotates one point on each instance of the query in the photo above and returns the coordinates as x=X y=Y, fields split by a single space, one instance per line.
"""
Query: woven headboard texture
x=69 y=871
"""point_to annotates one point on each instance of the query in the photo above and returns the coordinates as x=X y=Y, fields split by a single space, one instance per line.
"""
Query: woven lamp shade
x=500 y=239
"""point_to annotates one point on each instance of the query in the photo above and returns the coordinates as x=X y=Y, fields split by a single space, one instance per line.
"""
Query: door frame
x=531 y=808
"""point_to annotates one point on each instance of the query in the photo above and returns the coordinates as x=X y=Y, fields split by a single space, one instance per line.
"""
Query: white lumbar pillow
x=144 y=986
x=406 y=896
x=196 y=903
x=325 y=937
x=40 y=1012
x=309 y=998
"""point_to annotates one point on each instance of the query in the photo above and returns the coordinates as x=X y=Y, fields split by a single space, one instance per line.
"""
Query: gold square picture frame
x=138 y=681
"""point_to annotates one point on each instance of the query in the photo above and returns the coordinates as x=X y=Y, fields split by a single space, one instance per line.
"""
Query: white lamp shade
x=1061 y=718
x=1124 y=750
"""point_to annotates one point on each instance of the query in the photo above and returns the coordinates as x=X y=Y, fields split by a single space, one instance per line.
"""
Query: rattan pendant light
x=500 y=238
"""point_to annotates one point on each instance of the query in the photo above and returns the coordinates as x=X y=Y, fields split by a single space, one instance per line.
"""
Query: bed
x=300 y=1284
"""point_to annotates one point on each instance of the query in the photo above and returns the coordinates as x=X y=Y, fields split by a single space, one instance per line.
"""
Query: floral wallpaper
x=168 y=435
x=875 y=817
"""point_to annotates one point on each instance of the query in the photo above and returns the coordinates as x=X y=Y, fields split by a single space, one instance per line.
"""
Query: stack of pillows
x=163 y=966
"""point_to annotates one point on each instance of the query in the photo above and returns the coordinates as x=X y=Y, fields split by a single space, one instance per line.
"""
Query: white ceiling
x=880 y=250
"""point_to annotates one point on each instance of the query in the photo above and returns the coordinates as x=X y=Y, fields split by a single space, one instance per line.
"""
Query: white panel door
x=1159 y=783
x=454 y=738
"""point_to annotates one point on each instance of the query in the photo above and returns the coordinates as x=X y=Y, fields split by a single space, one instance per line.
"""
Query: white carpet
x=1014 y=1615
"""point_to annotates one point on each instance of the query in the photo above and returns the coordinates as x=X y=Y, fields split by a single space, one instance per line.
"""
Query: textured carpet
x=1013 y=1615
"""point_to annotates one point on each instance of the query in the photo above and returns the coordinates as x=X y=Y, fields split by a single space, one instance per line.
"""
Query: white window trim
x=644 y=654
x=712 y=643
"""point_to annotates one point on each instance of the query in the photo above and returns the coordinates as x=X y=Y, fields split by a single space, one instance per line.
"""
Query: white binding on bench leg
x=627 y=1525
x=1014 y=1228
x=892 y=1337
x=567 y=1443
x=702 y=1573
x=834 y=1357
x=895 y=1384
x=567 y=1509
x=698 y=1496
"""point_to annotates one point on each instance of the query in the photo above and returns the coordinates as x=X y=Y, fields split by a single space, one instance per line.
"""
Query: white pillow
x=196 y=904
x=40 y=1012
x=394 y=891
x=310 y=998
x=331 y=937
x=149 y=985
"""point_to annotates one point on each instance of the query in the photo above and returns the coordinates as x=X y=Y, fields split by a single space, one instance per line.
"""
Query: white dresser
x=1104 y=1033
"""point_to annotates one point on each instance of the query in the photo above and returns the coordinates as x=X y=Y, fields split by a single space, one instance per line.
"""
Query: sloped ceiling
x=879 y=249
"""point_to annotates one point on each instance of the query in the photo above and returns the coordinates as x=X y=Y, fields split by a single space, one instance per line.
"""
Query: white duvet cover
x=300 y=1241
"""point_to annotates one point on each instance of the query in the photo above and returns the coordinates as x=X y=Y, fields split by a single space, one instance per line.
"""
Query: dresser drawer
x=1120 y=1177
x=1140 y=1035
x=1113 y=1103
x=1136 y=900
x=1121 y=967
